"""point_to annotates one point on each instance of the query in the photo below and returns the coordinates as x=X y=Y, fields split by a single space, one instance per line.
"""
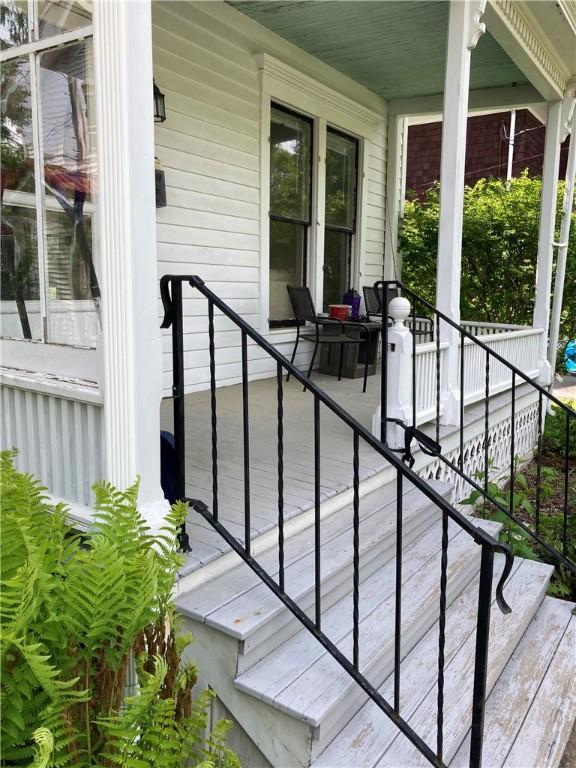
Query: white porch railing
x=482 y=329
x=520 y=348
x=426 y=379
x=412 y=384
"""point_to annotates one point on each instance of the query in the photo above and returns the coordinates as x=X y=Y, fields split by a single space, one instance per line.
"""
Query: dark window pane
x=337 y=246
x=66 y=90
x=13 y=24
x=61 y=16
x=287 y=257
x=20 y=312
x=290 y=163
x=341 y=174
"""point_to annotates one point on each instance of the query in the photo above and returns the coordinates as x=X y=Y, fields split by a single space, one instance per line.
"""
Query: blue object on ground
x=168 y=466
x=570 y=357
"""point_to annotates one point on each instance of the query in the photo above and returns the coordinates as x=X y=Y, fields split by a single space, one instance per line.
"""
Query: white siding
x=209 y=148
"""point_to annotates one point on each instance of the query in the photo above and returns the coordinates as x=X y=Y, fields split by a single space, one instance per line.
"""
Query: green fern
x=75 y=610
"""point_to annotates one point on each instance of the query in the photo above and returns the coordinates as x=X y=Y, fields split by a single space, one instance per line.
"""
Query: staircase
x=393 y=631
x=301 y=708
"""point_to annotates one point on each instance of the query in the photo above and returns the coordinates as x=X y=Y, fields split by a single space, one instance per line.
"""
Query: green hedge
x=499 y=247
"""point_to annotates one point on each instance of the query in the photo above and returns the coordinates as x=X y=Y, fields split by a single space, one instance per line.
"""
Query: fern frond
x=45 y=744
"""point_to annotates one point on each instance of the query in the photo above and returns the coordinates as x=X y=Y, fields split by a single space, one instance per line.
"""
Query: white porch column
x=397 y=130
x=126 y=221
x=546 y=232
x=567 y=208
x=464 y=31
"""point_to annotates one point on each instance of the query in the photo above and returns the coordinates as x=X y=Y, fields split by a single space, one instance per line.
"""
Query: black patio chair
x=305 y=312
x=419 y=326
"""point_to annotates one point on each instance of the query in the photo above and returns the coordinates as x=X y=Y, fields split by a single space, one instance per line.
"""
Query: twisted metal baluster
x=461 y=401
x=438 y=379
x=356 y=547
x=414 y=409
x=539 y=465
x=481 y=656
x=512 y=443
x=317 y=539
x=398 y=595
x=487 y=424
x=442 y=638
x=566 y=467
x=213 y=410
x=280 y=476
x=246 y=435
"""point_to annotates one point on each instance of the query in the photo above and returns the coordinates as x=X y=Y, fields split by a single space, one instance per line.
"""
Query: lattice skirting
x=499 y=440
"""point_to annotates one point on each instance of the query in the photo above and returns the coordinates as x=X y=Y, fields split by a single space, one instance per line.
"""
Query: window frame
x=33 y=51
x=275 y=105
x=357 y=113
x=350 y=231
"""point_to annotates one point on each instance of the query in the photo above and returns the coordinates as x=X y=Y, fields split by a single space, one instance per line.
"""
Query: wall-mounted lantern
x=159 y=105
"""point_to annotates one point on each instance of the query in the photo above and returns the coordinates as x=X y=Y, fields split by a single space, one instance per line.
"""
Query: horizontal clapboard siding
x=209 y=148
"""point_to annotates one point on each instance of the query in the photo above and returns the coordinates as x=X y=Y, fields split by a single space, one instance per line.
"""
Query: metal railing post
x=481 y=657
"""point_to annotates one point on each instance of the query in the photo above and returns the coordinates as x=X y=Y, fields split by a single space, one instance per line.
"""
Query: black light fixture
x=159 y=105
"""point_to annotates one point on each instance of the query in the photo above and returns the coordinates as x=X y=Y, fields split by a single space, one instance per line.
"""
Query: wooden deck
x=336 y=452
x=336 y=470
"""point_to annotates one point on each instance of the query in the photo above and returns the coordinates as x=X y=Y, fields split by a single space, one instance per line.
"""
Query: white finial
x=399 y=310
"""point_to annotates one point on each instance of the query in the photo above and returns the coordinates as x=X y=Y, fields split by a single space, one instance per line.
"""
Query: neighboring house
x=284 y=153
x=498 y=144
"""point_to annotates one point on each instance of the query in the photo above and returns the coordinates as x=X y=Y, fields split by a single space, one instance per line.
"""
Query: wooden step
x=303 y=680
x=371 y=739
x=237 y=603
x=531 y=711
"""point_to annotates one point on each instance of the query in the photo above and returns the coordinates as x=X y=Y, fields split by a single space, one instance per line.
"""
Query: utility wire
x=490 y=168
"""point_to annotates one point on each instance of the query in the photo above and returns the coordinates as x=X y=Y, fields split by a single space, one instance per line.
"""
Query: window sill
x=57 y=360
x=49 y=384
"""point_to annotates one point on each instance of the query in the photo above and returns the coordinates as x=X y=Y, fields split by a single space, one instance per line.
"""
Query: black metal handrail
x=171 y=294
x=560 y=557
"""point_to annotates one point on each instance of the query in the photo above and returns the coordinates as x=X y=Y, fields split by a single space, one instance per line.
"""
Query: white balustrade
x=426 y=379
x=477 y=328
x=520 y=348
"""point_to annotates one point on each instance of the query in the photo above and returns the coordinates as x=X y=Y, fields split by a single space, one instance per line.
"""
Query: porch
x=336 y=452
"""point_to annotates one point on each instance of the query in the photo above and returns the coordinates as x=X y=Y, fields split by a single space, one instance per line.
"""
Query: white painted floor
x=336 y=450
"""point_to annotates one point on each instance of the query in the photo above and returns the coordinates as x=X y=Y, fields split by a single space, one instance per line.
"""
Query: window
x=290 y=208
x=340 y=214
x=49 y=286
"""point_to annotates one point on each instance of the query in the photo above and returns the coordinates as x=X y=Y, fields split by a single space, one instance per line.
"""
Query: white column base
x=546 y=373
x=155 y=513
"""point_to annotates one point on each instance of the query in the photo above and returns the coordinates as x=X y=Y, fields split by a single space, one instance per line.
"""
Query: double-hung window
x=49 y=279
x=291 y=212
x=340 y=214
x=290 y=208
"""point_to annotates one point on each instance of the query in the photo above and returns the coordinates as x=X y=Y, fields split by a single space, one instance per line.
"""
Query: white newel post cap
x=399 y=310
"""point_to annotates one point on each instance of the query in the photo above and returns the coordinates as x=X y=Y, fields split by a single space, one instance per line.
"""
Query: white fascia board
x=479 y=101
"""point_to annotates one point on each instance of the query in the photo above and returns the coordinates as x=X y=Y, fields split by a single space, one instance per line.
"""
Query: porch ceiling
x=395 y=48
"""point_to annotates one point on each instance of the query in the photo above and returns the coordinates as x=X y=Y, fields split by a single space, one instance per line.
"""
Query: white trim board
x=311 y=96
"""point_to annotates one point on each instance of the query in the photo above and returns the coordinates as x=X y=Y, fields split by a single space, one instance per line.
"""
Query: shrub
x=554 y=440
x=499 y=249
x=77 y=610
